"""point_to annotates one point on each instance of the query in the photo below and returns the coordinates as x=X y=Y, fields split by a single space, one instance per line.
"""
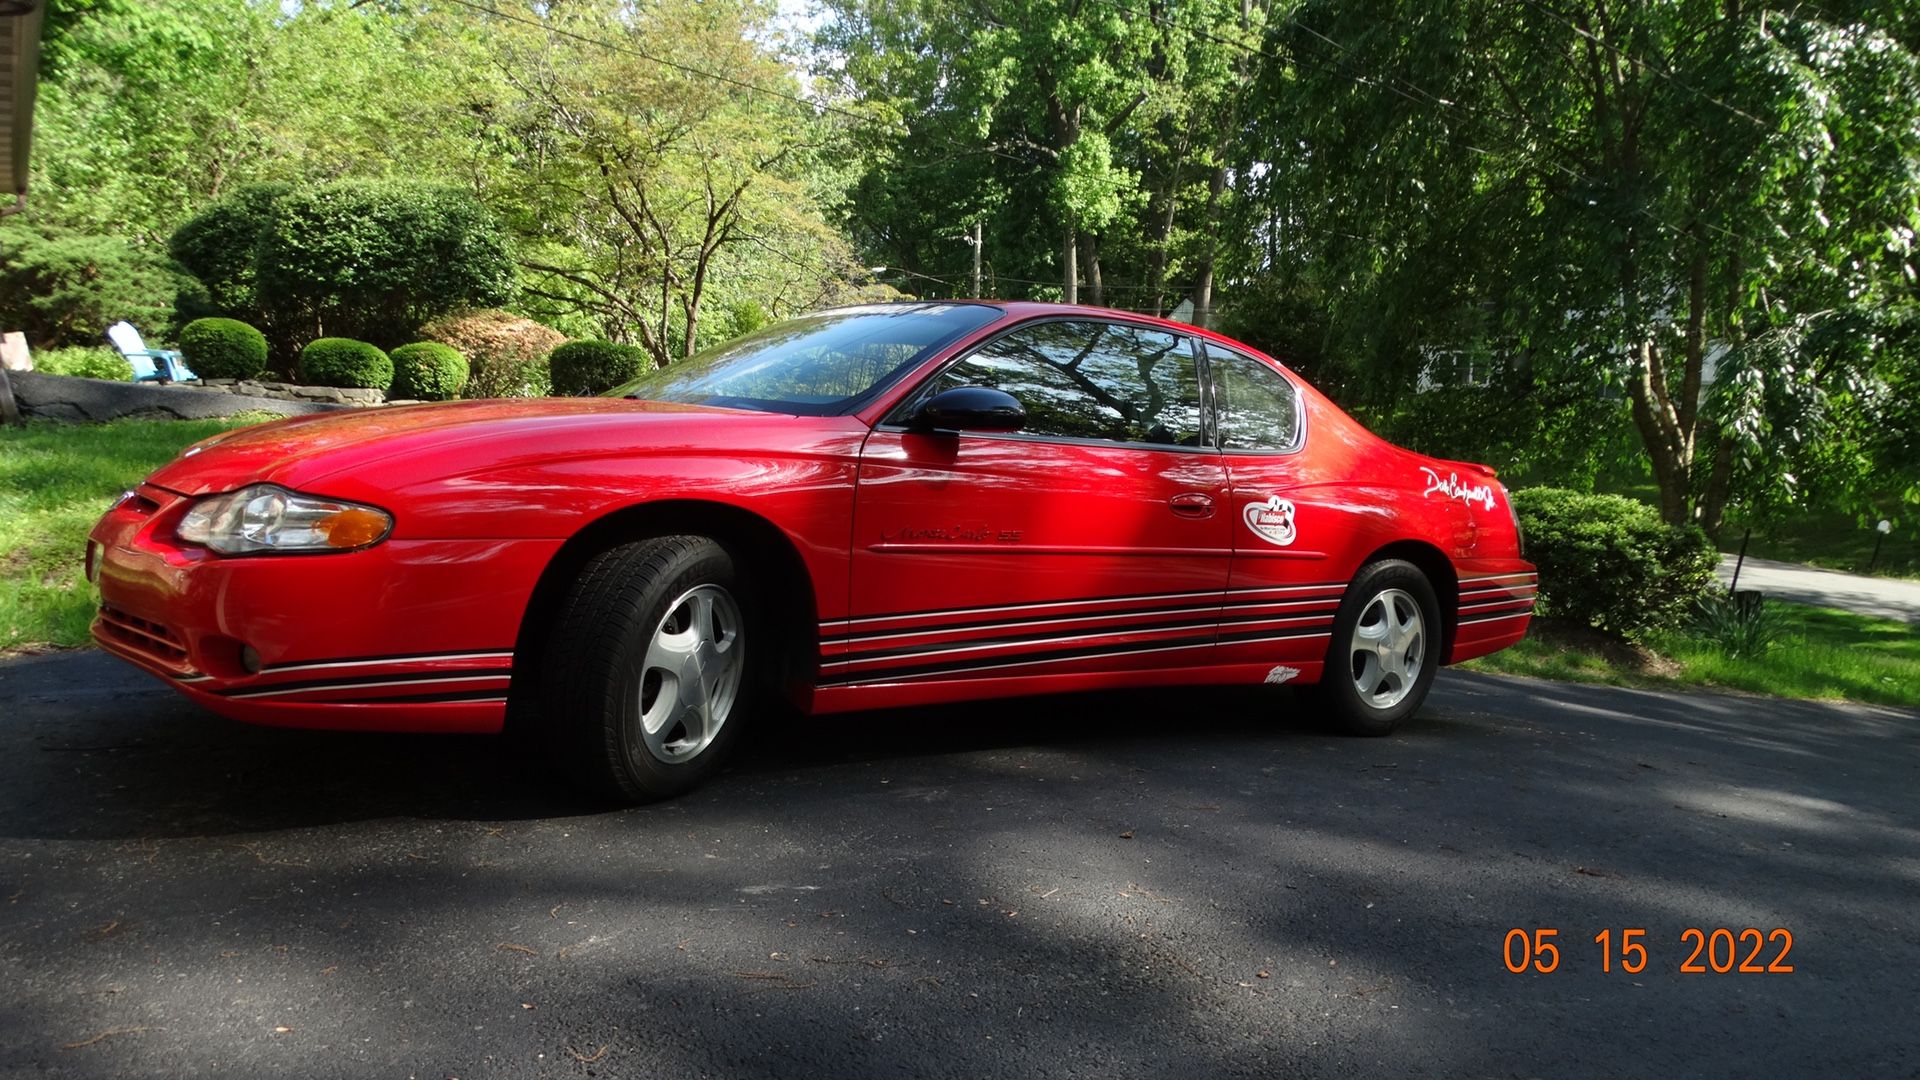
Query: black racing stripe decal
x=361 y=680
x=1307 y=605
x=952 y=667
x=842 y=678
x=1076 y=634
x=391 y=658
x=1244 y=636
x=1528 y=610
x=472 y=696
x=1477 y=610
x=1202 y=595
x=1321 y=618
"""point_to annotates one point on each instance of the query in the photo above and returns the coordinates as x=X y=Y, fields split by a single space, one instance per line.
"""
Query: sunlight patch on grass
x=1824 y=654
x=55 y=482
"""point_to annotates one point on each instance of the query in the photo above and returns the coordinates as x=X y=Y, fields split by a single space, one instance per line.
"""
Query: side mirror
x=970 y=408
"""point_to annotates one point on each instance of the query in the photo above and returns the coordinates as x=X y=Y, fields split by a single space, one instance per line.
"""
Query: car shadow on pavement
x=94 y=752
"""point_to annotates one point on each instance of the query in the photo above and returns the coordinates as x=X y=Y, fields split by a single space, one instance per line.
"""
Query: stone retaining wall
x=60 y=397
x=332 y=395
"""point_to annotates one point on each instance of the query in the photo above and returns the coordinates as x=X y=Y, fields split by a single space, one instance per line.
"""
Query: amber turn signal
x=353 y=527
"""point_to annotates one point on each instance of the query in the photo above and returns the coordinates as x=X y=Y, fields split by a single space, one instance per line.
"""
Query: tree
x=66 y=288
x=657 y=186
x=1088 y=137
x=1607 y=195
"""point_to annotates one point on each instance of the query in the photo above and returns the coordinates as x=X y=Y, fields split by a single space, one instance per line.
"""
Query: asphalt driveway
x=1130 y=885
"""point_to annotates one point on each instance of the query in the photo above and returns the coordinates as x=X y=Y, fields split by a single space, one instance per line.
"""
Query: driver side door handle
x=1192 y=504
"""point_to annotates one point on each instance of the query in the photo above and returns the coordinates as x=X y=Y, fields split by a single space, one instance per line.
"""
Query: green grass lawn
x=55 y=482
x=1822 y=654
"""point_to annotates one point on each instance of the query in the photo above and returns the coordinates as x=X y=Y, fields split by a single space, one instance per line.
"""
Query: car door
x=1289 y=524
x=1096 y=539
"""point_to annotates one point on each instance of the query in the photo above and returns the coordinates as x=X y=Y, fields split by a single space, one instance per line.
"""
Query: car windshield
x=822 y=364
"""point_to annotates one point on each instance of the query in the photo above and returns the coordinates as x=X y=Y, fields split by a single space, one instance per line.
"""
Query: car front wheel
x=1385 y=649
x=646 y=677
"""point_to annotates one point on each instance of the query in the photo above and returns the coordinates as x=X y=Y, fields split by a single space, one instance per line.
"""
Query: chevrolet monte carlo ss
x=867 y=507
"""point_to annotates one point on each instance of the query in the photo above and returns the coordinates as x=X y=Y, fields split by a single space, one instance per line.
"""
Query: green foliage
x=223 y=349
x=1611 y=563
x=1741 y=627
x=217 y=246
x=379 y=258
x=428 y=371
x=654 y=196
x=83 y=361
x=583 y=368
x=66 y=288
x=345 y=362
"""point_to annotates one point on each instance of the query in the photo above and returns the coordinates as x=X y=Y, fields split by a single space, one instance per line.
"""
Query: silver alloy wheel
x=691 y=676
x=1389 y=648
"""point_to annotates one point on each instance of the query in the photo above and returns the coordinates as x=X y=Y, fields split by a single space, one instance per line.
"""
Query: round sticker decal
x=1271 y=521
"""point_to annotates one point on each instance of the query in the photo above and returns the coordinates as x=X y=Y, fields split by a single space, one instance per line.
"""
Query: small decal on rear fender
x=1271 y=521
x=1282 y=673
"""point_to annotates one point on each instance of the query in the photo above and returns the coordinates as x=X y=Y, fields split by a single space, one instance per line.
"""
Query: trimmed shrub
x=1611 y=563
x=506 y=352
x=583 y=368
x=428 y=371
x=223 y=349
x=344 y=362
x=83 y=362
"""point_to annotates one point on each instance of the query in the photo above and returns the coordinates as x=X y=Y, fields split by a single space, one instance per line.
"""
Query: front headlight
x=264 y=517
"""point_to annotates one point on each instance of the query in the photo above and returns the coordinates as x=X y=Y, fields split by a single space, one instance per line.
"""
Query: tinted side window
x=1092 y=380
x=1256 y=404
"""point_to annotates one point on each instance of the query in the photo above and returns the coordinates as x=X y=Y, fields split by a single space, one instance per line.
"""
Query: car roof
x=1026 y=309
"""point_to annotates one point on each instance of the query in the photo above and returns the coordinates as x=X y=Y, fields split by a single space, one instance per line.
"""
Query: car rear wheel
x=1385 y=649
x=647 y=674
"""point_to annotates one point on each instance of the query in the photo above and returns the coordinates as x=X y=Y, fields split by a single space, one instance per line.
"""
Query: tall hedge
x=1610 y=562
x=428 y=371
x=581 y=368
x=217 y=246
x=369 y=259
x=223 y=349
x=345 y=362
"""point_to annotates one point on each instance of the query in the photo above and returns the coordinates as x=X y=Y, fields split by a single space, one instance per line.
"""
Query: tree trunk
x=1713 y=502
x=1090 y=264
x=1653 y=415
x=1069 y=269
x=1203 y=288
x=975 y=281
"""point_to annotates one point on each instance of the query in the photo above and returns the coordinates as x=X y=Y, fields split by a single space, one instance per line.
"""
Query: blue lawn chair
x=149 y=365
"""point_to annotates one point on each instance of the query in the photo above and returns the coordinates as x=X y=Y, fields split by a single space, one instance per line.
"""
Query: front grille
x=143 y=635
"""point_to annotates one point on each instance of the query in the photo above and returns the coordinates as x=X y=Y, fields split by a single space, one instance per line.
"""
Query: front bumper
x=408 y=635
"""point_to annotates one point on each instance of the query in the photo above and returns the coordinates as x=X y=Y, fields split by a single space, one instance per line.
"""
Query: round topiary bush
x=344 y=362
x=428 y=371
x=581 y=368
x=1611 y=563
x=223 y=349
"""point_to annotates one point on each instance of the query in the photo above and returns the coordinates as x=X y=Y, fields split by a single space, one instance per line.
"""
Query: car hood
x=302 y=451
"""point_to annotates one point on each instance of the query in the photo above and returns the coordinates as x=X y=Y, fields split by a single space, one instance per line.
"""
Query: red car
x=868 y=507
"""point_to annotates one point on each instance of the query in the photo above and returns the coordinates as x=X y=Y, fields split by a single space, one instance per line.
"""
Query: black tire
x=1348 y=709
x=595 y=677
